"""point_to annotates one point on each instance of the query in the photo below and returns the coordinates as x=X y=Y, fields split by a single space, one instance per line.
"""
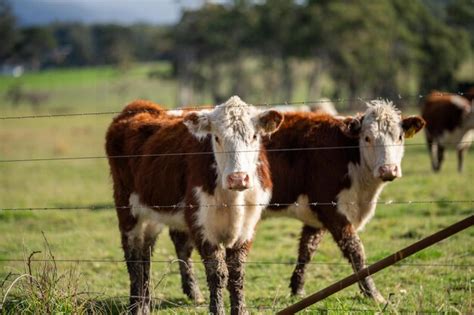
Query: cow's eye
x=217 y=139
x=367 y=139
x=255 y=137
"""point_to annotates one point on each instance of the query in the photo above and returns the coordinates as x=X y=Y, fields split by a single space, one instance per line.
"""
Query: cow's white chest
x=228 y=217
x=358 y=203
x=299 y=210
x=458 y=138
x=152 y=221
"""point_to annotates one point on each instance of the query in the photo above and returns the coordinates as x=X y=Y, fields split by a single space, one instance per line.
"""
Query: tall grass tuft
x=43 y=289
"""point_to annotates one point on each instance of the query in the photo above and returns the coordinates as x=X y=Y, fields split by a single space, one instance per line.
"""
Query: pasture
x=87 y=271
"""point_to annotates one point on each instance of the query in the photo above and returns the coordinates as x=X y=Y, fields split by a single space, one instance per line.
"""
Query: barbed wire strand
x=68 y=158
x=225 y=205
x=250 y=262
x=306 y=102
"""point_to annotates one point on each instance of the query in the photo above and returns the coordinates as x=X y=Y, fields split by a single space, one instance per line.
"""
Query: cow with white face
x=211 y=196
x=341 y=190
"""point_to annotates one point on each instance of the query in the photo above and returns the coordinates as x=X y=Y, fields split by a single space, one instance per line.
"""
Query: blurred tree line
x=263 y=48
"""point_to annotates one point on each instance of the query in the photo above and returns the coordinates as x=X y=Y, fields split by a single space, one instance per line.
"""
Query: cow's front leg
x=216 y=273
x=309 y=241
x=352 y=248
x=138 y=250
x=235 y=259
x=184 y=247
x=433 y=150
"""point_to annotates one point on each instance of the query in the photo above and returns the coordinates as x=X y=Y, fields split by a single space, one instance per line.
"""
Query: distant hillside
x=40 y=12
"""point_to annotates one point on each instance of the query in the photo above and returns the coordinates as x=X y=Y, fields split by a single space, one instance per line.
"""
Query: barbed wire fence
x=182 y=206
x=184 y=153
x=362 y=100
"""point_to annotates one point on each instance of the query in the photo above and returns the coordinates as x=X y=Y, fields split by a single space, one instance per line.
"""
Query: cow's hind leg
x=235 y=259
x=440 y=156
x=309 y=241
x=461 y=158
x=184 y=247
x=138 y=247
x=216 y=273
x=352 y=248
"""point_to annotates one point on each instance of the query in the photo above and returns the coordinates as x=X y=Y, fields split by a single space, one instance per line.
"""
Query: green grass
x=435 y=281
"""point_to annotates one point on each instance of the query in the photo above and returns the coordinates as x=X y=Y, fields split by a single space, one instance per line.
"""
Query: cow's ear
x=351 y=126
x=198 y=124
x=269 y=121
x=411 y=125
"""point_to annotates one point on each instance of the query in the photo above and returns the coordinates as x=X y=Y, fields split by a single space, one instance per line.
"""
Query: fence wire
x=225 y=205
x=250 y=262
x=127 y=156
x=265 y=104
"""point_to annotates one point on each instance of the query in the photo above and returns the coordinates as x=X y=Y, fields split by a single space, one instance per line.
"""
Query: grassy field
x=438 y=279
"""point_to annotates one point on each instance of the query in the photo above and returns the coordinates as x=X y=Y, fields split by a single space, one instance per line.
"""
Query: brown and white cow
x=449 y=122
x=206 y=176
x=335 y=189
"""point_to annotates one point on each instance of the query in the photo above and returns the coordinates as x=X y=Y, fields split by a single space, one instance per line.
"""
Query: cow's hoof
x=298 y=293
x=199 y=299
x=378 y=298
x=196 y=297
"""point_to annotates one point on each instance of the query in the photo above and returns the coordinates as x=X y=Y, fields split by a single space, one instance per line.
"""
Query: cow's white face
x=381 y=138
x=236 y=129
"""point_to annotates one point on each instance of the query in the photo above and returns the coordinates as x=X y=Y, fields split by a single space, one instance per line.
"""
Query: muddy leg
x=352 y=248
x=137 y=254
x=216 y=272
x=309 y=241
x=235 y=259
x=184 y=247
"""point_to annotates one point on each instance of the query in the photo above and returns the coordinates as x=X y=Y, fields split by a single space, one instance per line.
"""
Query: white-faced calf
x=335 y=189
x=211 y=194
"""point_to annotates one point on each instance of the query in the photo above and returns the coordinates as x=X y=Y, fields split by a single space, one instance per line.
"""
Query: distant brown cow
x=323 y=106
x=206 y=176
x=450 y=122
x=328 y=173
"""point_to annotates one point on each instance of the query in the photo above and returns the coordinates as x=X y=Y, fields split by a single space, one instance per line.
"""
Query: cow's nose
x=238 y=181
x=388 y=172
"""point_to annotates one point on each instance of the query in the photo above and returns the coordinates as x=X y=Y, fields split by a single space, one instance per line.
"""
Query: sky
x=37 y=12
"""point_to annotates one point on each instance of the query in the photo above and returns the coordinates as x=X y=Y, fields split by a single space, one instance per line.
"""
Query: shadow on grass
x=112 y=305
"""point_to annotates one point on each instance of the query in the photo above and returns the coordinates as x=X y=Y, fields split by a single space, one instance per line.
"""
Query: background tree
x=35 y=46
x=444 y=49
x=8 y=30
